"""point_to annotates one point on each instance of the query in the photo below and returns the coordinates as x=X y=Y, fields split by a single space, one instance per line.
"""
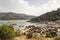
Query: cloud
x=37 y=2
x=24 y=6
x=51 y=5
x=19 y=6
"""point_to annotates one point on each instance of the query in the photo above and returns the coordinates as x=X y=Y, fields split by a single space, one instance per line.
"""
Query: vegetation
x=6 y=32
x=36 y=35
x=29 y=35
x=57 y=38
x=51 y=34
x=18 y=33
x=48 y=34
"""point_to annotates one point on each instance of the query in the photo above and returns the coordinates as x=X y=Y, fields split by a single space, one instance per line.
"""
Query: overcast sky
x=30 y=7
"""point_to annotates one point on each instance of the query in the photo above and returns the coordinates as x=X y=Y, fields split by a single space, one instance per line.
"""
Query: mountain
x=47 y=17
x=14 y=16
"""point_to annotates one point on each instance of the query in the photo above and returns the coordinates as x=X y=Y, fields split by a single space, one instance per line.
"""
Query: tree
x=6 y=32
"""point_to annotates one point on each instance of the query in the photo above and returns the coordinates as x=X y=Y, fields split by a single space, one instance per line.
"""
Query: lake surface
x=17 y=23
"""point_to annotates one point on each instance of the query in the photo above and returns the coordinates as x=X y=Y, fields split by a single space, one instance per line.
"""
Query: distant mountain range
x=14 y=16
x=47 y=17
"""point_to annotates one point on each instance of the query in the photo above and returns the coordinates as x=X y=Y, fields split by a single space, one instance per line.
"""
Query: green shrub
x=29 y=35
x=18 y=33
x=48 y=34
x=57 y=38
x=36 y=35
x=6 y=32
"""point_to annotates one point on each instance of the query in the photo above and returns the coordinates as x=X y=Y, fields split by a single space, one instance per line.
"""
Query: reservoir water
x=17 y=23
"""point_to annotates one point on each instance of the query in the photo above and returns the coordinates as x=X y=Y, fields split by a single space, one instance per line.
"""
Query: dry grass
x=24 y=38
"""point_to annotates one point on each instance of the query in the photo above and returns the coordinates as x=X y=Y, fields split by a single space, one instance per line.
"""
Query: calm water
x=19 y=23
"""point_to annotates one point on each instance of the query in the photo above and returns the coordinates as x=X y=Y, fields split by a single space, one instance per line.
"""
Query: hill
x=14 y=16
x=47 y=17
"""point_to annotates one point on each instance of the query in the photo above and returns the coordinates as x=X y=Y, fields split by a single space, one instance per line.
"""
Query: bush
x=51 y=34
x=6 y=32
x=36 y=35
x=57 y=38
x=29 y=35
x=18 y=33
x=48 y=34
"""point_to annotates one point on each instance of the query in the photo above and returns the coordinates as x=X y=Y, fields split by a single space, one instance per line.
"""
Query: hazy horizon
x=29 y=7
